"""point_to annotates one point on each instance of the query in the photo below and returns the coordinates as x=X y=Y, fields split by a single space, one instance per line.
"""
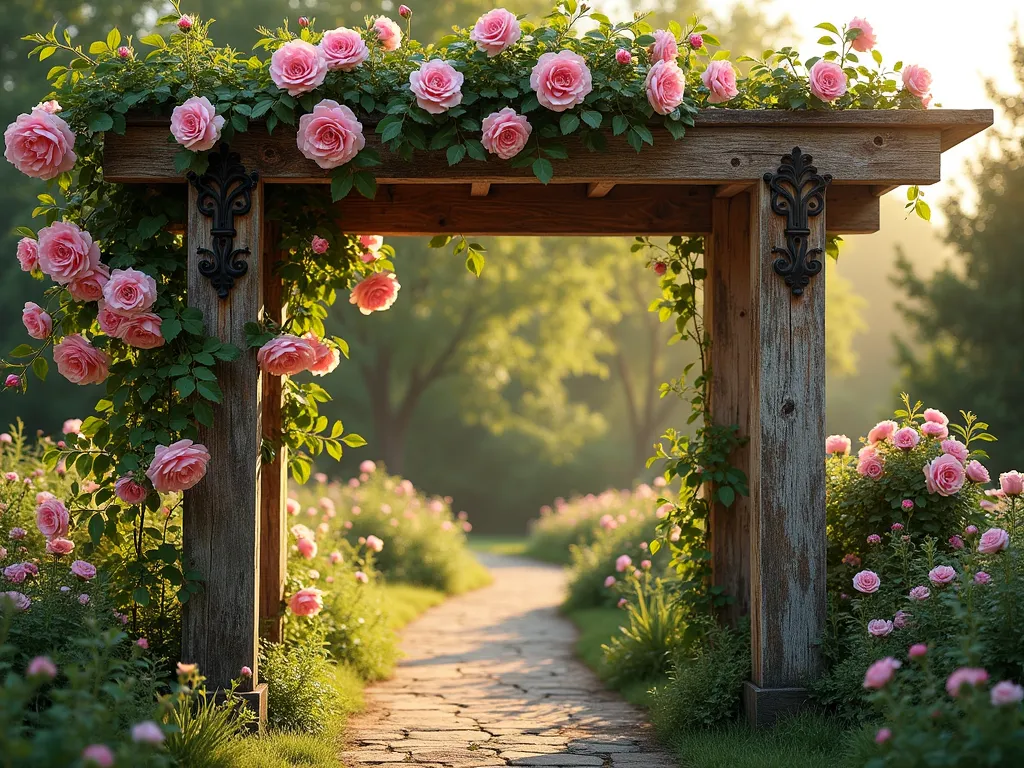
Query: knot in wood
x=788 y=408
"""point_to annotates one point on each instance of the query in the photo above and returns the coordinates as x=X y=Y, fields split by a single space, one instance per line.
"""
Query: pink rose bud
x=143 y=643
x=405 y=11
x=609 y=581
x=696 y=41
x=12 y=380
x=908 y=504
x=622 y=602
x=883 y=735
x=623 y=56
x=303 y=22
x=185 y=23
x=981 y=578
x=246 y=672
x=917 y=650
x=956 y=542
x=897 y=526
x=124 y=52
x=42 y=666
x=319 y=244
x=874 y=538
x=1011 y=483
x=660 y=268
x=971 y=530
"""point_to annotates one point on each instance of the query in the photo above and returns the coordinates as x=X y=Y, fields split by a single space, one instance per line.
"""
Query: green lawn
x=299 y=750
x=498 y=545
x=807 y=741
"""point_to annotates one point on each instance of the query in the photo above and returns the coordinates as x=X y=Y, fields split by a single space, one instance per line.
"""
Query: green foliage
x=300 y=685
x=205 y=732
x=705 y=680
x=655 y=630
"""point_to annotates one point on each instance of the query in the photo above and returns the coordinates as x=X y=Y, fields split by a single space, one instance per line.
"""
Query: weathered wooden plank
x=599 y=189
x=882 y=154
x=728 y=190
x=628 y=209
x=728 y=254
x=273 y=494
x=222 y=512
x=787 y=475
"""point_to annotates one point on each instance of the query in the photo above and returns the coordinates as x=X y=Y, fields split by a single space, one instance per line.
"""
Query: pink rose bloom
x=286 y=355
x=665 y=47
x=935 y=416
x=319 y=245
x=955 y=448
x=437 y=86
x=1006 y=693
x=17 y=534
x=245 y=671
x=28 y=254
x=343 y=49
x=977 y=473
x=609 y=581
x=388 y=32
x=622 y=562
x=83 y=570
x=88 y=285
x=37 y=322
x=505 y=133
x=941 y=575
x=981 y=578
x=371 y=244
x=375 y=293
x=840 y=444
x=52 y=518
x=298 y=67
x=143 y=331
x=883 y=735
x=993 y=540
x=945 y=475
x=906 y=439
x=870 y=465
x=40 y=145
x=972 y=676
x=372 y=542
x=666 y=85
x=495 y=31
x=129 y=491
x=331 y=135
x=362 y=578
x=325 y=357
x=367 y=467
x=41 y=666
x=623 y=56
x=129 y=292
x=147 y=732
x=645 y=564
x=66 y=251
x=828 y=81
x=883 y=430
x=918 y=81
x=956 y=542
x=866 y=582
x=879 y=628
x=51 y=107
x=1011 y=483
x=196 y=125
x=111 y=323
x=83 y=599
x=881 y=672
x=98 y=755
x=920 y=593
x=307 y=548
x=934 y=429
x=720 y=79
x=561 y=80
x=16 y=573
x=60 y=547
x=79 y=362
x=306 y=602
x=178 y=466
x=865 y=41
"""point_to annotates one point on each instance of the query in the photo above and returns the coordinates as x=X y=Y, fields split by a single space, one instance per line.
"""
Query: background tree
x=966 y=320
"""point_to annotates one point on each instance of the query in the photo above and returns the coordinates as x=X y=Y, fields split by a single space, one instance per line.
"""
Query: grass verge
x=809 y=740
x=499 y=545
x=285 y=749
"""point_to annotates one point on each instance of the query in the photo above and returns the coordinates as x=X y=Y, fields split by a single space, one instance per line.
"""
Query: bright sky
x=962 y=43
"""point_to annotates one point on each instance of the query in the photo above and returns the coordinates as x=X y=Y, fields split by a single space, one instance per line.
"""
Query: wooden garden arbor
x=744 y=179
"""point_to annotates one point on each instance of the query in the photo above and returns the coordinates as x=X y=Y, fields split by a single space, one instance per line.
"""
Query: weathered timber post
x=787 y=418
x=273 y=527
x=728 y=253
x=222 y=513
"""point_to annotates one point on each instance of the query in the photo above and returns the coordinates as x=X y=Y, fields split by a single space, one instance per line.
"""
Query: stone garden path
x=489 y=679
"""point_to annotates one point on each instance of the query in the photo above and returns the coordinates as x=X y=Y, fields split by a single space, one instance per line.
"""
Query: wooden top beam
x=883 y=147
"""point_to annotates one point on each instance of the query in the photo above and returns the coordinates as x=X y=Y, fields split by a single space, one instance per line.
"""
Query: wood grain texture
x=599 y=188
x=787 y=477
x=222 y=512
x=274 y=491
x=883 y=153
x=480 y=189
x=727 y=316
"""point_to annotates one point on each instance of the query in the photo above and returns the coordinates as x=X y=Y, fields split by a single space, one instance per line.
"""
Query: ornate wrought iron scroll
x=225 y=191
x=798 y=193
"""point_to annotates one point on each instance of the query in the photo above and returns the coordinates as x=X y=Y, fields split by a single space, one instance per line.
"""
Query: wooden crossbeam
x=599 y=188
x=480 y=189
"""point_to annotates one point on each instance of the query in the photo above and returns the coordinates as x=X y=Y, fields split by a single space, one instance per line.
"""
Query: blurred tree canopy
x=967 y=319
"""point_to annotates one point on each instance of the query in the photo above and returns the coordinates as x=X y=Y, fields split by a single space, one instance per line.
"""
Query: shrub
x=656 y=626
x=705 y=680
x=300 y=690
x=205 y=732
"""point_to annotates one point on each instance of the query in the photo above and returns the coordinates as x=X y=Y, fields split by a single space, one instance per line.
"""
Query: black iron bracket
x=225 y=191
x=798 y=193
